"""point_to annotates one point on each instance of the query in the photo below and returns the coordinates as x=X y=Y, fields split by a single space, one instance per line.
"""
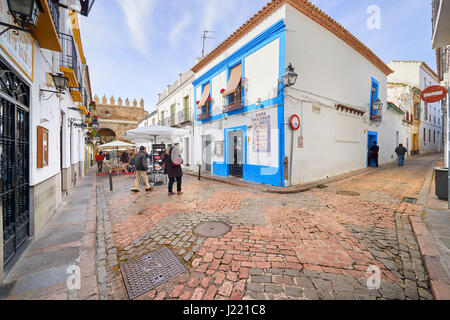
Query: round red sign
x=295 y=122
x=433 y=94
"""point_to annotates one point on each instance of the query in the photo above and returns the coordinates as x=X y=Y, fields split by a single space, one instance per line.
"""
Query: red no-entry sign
x=434 y=94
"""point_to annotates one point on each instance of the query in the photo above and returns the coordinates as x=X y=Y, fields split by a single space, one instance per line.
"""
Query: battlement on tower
x=111 y=102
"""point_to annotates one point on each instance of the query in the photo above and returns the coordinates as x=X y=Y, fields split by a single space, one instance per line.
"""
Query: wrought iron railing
x=85 y=96
x=54 y=12
x=233 y=101
x=69 y=56
x=183 y=116
x=204 y=112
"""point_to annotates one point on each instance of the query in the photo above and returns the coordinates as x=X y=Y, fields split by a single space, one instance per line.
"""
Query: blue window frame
x=239 y=95
x=374 y=95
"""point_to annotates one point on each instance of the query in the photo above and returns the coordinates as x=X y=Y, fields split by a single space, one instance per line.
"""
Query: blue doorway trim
x=372 y=137
x=223 y=168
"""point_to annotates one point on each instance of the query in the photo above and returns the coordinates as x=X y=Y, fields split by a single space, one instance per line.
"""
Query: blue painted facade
x=261 y=174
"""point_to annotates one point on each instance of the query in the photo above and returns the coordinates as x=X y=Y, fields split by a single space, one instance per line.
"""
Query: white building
x=48 y=148
x=175 y=109
x=405 y=98
x=441 y=42
x=417 y=74
x=149 y=120
x=243 y=112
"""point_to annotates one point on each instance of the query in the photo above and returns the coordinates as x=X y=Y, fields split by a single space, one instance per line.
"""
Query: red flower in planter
x=209 y=99
x=198 y=102
x=222 y=91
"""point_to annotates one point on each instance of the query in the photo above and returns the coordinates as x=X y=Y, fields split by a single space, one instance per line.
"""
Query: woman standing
x=174 y=170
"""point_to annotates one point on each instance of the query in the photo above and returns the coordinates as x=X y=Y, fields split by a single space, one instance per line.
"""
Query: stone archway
x=106 y=135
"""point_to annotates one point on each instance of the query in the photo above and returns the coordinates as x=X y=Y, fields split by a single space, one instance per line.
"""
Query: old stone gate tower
x=116 y=118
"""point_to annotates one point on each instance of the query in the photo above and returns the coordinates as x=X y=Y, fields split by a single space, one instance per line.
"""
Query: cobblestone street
x=312 y=245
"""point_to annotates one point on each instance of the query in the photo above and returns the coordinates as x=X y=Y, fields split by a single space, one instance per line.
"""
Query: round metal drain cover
x=348 y=193
x=212 y=229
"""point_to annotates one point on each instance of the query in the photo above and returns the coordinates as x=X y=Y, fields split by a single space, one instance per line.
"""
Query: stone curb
x=439 y=281
x=88 y=253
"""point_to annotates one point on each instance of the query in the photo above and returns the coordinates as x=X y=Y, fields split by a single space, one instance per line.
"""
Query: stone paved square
x=316 y=244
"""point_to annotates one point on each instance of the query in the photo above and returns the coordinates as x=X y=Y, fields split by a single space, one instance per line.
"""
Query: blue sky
x=135 y=48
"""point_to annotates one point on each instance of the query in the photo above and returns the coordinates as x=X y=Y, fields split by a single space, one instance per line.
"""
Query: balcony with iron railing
x=204 y=112
x=233 y=101
x=85 y=96
x=184 y=116
x=69 y=60
x=54 y=12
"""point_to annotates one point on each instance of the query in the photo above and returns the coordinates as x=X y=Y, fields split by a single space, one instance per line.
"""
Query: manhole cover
x=410 y=200
x=348 y=193
x=147 y=272
x=212 y=229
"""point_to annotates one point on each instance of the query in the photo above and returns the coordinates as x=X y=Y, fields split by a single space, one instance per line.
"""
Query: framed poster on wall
x=219 y=148
x=261 y=132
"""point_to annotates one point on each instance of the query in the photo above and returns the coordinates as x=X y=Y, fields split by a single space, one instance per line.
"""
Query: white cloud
x=137 y=13
x=181 y=26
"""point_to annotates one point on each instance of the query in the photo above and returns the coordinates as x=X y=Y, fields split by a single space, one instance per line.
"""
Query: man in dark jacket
x=401 y=151
x=141 y=165
x=374 y=153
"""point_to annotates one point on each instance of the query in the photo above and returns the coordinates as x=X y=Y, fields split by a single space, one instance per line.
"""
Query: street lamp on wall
x=60 y=82
x=290 y=77
x=25 y=13
x=377 y=105
x=95 y=125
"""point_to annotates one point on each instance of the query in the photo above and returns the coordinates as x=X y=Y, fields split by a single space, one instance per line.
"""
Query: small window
x=42 y=147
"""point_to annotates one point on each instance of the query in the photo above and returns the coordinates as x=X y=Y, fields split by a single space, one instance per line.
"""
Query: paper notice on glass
x=261 y=132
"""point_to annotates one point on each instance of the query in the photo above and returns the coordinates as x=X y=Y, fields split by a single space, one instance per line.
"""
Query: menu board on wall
x=261 y=132
x=18 y=47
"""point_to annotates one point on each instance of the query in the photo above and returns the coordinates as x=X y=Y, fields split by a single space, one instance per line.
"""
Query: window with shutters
x=42 y=147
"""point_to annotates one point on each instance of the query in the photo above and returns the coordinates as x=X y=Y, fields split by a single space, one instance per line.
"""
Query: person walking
x=141 y=164
x=124 y=157
x=99 y=159
x=401 y=151
x=174 y=170
x=374 y=153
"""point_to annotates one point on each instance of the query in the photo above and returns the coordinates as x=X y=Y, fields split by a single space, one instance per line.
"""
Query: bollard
x=199 y=170
x=110 y=181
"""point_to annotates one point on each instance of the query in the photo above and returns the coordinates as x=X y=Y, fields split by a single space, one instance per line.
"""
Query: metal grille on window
x=14 y=161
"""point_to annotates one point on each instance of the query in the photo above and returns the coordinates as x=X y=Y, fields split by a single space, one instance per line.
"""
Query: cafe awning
x=205 y=95
x=234 y=80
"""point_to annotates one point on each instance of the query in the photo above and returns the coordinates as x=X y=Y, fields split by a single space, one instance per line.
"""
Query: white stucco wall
x=178 y=92
x=430 y=125
x=42 y=110
x=278 y=14
x=262 y=73
x=330 y=72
